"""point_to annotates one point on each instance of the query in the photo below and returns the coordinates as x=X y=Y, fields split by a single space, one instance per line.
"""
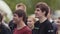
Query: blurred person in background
x=58 y=24
x=3 y=28
x=30 y=22
x=49 y=16
x=21 y=6
x=3 y=21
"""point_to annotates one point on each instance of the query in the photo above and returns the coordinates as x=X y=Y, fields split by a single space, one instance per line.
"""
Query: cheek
x=38 y=13
x=15 y=19
x=29 y=23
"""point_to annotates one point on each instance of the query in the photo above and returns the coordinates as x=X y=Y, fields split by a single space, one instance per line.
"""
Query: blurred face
x=58 y=21
x=16 y=19
x=30 y=22
x=38 y=13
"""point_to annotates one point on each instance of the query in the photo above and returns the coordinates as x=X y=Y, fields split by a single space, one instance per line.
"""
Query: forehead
x=37 y=9
x=21 y=6
x=14 y=14
x=30 y=18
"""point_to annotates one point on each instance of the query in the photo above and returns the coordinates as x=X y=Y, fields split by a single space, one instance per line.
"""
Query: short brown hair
x=21 y=13
x=43 y=6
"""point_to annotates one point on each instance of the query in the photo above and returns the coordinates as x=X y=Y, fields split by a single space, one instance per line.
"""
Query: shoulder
x=48 y=23
x=37 y=23
x=27 y=28
x=5 y=28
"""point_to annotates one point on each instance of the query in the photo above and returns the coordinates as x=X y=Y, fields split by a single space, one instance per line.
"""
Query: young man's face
x=38 y=13
x=16 y=19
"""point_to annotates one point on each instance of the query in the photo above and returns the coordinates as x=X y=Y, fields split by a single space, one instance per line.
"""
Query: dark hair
x=43 y=6
x=1 y=17
x=21 y=13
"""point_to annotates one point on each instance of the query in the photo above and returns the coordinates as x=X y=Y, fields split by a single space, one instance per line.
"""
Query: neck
x=20 y=25
x=42 y=19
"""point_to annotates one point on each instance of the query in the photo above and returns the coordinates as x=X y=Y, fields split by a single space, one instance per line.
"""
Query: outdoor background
x=30 y=4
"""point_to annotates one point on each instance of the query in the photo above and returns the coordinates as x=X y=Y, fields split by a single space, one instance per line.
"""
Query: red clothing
x=24 y=30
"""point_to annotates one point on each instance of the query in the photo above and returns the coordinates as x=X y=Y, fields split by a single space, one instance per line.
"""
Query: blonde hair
x=21 y=4
x=32 y=18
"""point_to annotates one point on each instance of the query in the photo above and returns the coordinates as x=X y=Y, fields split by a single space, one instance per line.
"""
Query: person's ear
x=44 y=12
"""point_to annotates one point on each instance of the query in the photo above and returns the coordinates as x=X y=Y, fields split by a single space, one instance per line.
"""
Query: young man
x=19 y=6
x=43 y=26
x=3 y=28
x=19 y=17
x=22 y=7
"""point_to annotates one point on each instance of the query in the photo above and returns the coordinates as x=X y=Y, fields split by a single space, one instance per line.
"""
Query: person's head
x=58 y=21
x=21 y=6
x=19 y=15
x=41 y=9
x=1 y=18
x=30 y=22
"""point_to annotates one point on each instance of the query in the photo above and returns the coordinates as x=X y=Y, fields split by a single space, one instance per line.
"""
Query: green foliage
x=54 y=4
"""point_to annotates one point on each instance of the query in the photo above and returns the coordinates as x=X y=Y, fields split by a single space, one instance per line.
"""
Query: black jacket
x=43 y=28
x=4 y=30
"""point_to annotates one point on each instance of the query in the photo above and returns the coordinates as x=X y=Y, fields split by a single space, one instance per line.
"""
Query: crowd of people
x=23 y=24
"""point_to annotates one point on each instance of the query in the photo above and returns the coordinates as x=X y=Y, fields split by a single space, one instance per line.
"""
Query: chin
x=14 y=21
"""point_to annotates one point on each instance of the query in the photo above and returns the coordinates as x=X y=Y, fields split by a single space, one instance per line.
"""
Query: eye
x=14 y=15
x=37 y=10
x=29 y=21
